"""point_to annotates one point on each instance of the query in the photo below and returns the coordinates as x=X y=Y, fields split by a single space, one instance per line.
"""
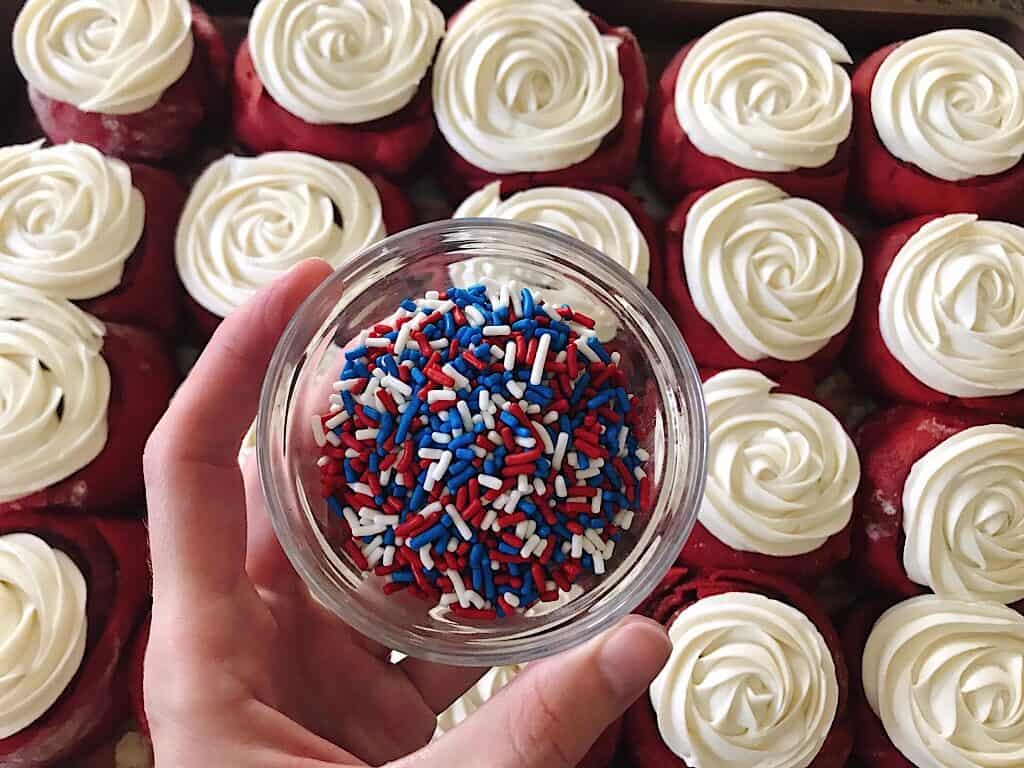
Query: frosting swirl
x=782 y=472
x=963 y=514
x=342 y=61
x=952 y=306
x=776 y=276
x=944 y=677
x=493 y=681
x=526 y=85
x=54 y=390
x=952 y=103
x=69 y=219
x=750 y=683
x=249 y=219
x=766 y=92
x=42 y=628
x=111 y=56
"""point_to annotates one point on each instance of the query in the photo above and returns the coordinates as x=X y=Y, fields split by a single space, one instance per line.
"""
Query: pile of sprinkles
x=480 y=451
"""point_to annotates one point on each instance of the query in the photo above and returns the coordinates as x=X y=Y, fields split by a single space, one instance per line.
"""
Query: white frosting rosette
x=526 y=85
x=776 y=276
x=766 y=92
x=598 y=220
x=483 y=691
x=54 y=391
x=952 y=103
x=43 y=628
x=952 y=306
x=782 y=472
x=69 y=219
x=342 y=61
x=945 y=678
x=116 y=57
x=963 y=515
x=250 y=219
x=750 y=683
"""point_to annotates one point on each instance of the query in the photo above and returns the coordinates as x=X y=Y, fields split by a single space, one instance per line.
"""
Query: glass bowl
x=367 y=290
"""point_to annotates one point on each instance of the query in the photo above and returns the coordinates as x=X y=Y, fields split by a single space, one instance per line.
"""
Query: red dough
x=113 y=557
x=681 y=588
x=136 y=663
x=167 y=128
x=142 y=380
x=612 y=163
x=872 y=745
x=679 y=167
x=873 y=364
x=147 y=294
x=668 y=282
x=889 y=443
x=390 y=145
x=398 y=214
x=897 y=190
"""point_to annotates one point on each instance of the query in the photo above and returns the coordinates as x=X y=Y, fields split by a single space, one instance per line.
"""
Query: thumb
x=555 y=710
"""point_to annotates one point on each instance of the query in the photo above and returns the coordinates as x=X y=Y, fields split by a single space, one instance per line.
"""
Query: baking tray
x=662 y=27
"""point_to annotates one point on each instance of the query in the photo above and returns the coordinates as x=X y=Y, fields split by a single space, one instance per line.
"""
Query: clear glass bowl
x=366 y=290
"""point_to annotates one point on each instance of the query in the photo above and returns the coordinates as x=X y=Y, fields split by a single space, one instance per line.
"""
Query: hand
x=245 y=669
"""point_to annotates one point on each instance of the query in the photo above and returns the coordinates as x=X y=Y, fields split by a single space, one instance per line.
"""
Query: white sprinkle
x=499 y=400
x=523 y=484
x=335 y=407
x=577 y=546
x=532 y=409
x=429 y=482
x=431 y=508
x=362 y=488
x=478 y=451
x=336 y=400
x=386 y=519
x=510 y=355
x=497 y=352
x=539 y=549
x=375 y=557
x=376 y=343
x=346 y=384
x=642 y=454
x=467 y=418
x=537 y=372
x=442 y=465
x=595 y=504
x=318 y=431
x=475 y=317
x=431 y=454
x=426 y=558
x=550 y=417
x=588 y=546
x=521 y=529
x=367 y=434
x=560 y=445
x=488 y=419
x=461 y=382
x=494 y=437
x=626 y=519
x=616 y=357
x=436 y=395
x=484 y=401
x=389 y=557
x=445 y=306
x=452 y=545
x=591 y=535
x=516 y=388
x=529 y=546
x=337 y=420
x=368 y=530
x=489 y=481
x=441 y=438
x=378 y=373
x=586 y=350
x=439 y=344
x=460 y=524
x=374 y=543
x=598 y=559
x=334 y=440
x=398 y=385
x=489 y=518
x=512 y=599
x=560 y=489
x=350 y=453
x=447 y=599
x=525 y=442
x=369 y=512
x=623 y=436
x=323 y=461
x=609 y=550
x=402 y=339
x=458 y=586
x=573 y=459
x=475 y=599
x=545 y=437
x=350 y=517
x=539 y=487
x=431 y=296
x=513 y=500
x=517 y=302
x=639 y=473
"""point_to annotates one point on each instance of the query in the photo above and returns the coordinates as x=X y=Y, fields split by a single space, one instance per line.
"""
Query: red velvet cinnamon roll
x=941 y=505
x=757 y=279
x=940 y=127
x=782 y=474
x=935 y=683
x=942 y=314
x=537 y=92
x=756 y=678
x=79 y=399
x=136 y=80
x=249 y=219
x=77 y=225
x=73 y=590
x=340 y=80
x=763 y=95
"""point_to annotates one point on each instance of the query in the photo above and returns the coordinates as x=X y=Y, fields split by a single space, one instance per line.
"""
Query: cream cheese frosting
x=343 y=61
x=526 y=85
x=945 y=678
x=54 y=391
x=483 y=691
x=249 y=219
x=69 y=219
x=766 y=92
x=43 y=628
x=750 y=683
x=776 y=276
x=963 y=515
x=782 y=472
x=952 y=306
x=952 y=103
x=116 y=57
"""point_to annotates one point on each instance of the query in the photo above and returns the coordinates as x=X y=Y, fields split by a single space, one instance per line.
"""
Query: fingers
x=437 y=684
x=193 y=486
x=265 y=560
x=551 y=714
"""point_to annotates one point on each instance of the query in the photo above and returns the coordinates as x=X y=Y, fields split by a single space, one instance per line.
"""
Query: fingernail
x=633 y=655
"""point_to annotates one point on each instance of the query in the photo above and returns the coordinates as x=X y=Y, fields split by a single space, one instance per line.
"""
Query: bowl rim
x=691 y=478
